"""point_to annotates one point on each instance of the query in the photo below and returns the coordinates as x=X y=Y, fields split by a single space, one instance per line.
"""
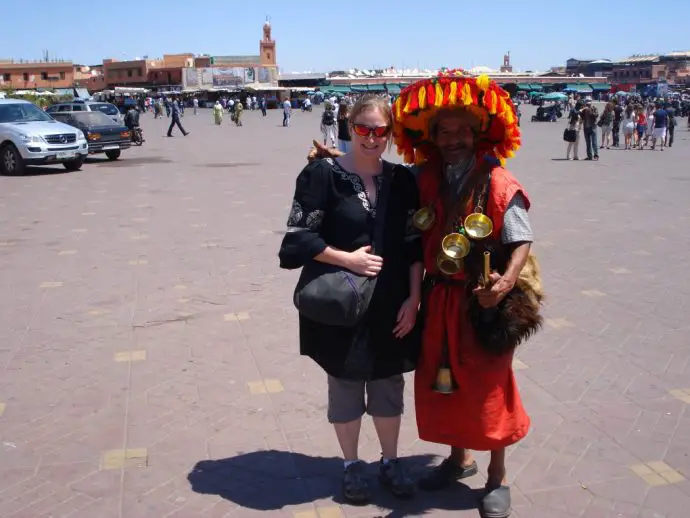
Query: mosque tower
x=267 y=47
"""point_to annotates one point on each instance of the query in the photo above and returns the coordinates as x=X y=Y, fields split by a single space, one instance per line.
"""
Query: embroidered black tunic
x=331 y=207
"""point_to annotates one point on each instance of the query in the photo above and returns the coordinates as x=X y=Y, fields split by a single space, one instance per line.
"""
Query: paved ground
x=148 y=363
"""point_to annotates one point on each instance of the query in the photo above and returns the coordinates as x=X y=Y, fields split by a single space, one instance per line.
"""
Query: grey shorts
x=347 y=402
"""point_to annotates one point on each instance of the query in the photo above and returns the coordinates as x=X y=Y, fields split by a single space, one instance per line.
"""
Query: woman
x=218 y=113
x=574 y=123
x=343 y=129
x=331 y=221
x=641 y=124
x=628 y=123
x=605 y=123
x=237 y=116
x=328 y=121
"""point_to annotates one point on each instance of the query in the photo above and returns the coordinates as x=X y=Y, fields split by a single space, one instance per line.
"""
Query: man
x=660 y=124
x=671 y=111
x=132 y=119
x=457 y=134
x=589 y=115
x=175 y=112
x=287 y=112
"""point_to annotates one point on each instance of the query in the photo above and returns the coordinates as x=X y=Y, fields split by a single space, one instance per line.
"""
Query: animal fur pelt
x=501 y=329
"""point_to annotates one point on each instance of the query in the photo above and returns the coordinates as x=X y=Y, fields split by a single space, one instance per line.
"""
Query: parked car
x=102 y=134
x=88 y=106
x=28 y=136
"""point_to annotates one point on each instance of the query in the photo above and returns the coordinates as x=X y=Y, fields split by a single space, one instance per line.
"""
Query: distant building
x=588 y=67
x=23 y=75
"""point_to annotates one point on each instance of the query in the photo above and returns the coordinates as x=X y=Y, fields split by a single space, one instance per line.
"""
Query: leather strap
x=381 y=205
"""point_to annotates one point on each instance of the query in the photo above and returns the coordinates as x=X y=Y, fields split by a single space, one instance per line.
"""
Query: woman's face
x=370 y=133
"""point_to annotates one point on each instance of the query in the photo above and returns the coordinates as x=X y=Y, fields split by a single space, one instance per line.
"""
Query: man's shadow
x=269 y=480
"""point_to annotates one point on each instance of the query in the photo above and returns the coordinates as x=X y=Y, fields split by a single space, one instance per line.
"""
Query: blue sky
x=356 y=33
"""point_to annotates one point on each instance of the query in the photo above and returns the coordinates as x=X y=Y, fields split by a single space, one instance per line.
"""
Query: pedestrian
x=287 y=113
x=344 y=139
x=175 y=114
x=218 y=113
x=574 y=125
x=328 y=125
x=195 y=104
x=660 y=126
x=605 y=123
x=339 y=207
x=629 y=122
x=589 y=115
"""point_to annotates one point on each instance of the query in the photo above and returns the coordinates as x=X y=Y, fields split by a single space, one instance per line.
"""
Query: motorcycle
x=137 y=136
x=306 y=108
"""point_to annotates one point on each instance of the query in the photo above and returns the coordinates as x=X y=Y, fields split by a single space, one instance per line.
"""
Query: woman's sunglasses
x=364 y=131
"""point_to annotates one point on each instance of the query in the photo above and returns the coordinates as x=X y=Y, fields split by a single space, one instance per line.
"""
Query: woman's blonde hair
x=372 y=102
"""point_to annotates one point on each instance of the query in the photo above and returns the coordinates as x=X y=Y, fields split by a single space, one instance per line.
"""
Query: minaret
x=267 y=47
x=507 y=67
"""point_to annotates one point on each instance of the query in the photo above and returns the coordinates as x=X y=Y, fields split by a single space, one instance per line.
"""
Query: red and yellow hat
x=418 y=103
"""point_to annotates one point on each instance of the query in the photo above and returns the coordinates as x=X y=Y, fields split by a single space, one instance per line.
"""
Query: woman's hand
x=362 y=262
x=407 y=316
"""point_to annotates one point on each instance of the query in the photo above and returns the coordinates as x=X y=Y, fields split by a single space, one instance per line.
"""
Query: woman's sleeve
x=303 y=241
x=413 y=238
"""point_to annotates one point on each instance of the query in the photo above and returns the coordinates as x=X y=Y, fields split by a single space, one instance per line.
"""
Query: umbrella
x=555 y=96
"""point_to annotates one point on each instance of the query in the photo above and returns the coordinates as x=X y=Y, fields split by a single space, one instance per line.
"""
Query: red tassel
x=414 y=101
x=430 y=94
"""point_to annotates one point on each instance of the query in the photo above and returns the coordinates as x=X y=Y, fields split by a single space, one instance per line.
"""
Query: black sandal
x=496 y=502
x=446 y=473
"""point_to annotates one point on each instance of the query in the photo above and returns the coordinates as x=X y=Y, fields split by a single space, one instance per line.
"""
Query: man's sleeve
x=516 y=225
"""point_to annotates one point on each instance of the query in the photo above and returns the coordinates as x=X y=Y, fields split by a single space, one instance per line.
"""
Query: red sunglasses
x=364 y=131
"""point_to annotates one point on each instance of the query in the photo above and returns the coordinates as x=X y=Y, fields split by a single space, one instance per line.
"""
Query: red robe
x=485 y=412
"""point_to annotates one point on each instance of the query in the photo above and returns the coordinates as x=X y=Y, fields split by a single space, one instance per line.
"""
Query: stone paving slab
x=148 y=345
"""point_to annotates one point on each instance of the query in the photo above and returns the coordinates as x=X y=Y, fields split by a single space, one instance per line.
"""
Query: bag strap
x=381 y=204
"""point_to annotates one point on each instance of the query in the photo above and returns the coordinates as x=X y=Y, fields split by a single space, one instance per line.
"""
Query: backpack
x=328 y=118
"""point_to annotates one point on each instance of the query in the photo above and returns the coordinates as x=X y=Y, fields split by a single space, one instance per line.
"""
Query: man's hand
x=494 y=293
x=321 y=151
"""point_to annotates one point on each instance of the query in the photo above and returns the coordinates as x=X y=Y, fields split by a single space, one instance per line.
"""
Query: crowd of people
x=643 y=123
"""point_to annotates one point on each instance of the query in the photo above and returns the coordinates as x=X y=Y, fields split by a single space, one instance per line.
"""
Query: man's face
x=455 y=135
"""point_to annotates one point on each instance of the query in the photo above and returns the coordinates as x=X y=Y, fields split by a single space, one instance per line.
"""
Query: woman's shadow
x=269 y=480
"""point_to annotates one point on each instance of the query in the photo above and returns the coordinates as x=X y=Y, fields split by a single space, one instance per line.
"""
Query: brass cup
x=444 y=383
x=449 y=266
x=455 y=246
x=478 y=225
x=424 y=218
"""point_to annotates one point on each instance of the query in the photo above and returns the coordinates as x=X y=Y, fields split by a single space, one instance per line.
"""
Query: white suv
x=29 y=136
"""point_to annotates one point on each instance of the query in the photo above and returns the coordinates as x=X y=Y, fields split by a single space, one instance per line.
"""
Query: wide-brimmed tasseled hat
x=413 y=111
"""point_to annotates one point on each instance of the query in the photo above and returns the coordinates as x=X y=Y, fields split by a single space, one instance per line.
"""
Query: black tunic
x=331 y=207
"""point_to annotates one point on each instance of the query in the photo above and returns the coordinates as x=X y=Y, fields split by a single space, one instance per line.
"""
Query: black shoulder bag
x=336 y=296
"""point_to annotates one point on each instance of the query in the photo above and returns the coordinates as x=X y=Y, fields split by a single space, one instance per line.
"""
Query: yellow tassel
x=398 y=108
x=510 y=154
x=407 y=104
x=466 y=94
x=509 y=116
x=483 y=82
x=422 y=97
x=438 y=98
x=452 y=97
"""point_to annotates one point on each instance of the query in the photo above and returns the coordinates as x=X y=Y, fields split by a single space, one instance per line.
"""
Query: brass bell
x=449 y=266
x=444 y=384
x=478 y=225
x=424 y=218
x=455 y=246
